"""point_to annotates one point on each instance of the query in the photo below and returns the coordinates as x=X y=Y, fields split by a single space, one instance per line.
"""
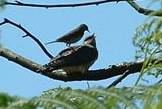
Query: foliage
x=13 y=102
x=2 y=3
x=145 y=97
x=148 y=40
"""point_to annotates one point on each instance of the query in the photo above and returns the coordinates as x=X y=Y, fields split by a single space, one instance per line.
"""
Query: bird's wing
x=72 y=34
x=74 y=57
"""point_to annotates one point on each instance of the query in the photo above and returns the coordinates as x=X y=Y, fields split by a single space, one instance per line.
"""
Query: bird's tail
x=50 y=42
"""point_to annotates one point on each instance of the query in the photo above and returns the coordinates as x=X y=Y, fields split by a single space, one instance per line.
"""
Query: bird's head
x=84 y=27
x=90 y=40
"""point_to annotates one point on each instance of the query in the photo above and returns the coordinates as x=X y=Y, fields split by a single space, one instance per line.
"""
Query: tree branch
x=27 y=33
x=138 y=8
x=18 y=3
x=91 y=75
x=144 y=11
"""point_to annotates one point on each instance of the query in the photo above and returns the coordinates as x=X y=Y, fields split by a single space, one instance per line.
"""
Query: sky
x=113 y=23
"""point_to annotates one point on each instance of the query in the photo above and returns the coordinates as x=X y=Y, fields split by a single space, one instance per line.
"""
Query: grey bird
x=76 y=58
x=73 y=36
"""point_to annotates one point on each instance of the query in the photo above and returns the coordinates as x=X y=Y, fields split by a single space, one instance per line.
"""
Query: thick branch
x=18 y=3
x=27 y=33
x=144 y=11
x=91 y=75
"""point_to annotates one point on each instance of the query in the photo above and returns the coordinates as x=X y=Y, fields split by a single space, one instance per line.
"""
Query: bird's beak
x=49 y=42
x=88 y=31
x=94 y=35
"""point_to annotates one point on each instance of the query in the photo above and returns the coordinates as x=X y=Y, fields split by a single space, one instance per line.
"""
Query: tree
x=147 y=39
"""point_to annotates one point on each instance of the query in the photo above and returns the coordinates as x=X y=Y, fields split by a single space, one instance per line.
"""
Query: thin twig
x=88 y=85
x=138 y=8
x=27 y=33
x=159 y=81
x=18 y=3
x=125 y=74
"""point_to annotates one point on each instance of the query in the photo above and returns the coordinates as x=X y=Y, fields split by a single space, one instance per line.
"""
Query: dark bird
x=73 y=36
x=76 y=58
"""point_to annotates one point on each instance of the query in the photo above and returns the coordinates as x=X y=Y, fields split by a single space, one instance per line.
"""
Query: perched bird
x=73 y=36
x=77 y=58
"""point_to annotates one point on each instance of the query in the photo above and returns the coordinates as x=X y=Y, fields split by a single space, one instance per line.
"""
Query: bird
x=73 y=36
x=76 y=58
